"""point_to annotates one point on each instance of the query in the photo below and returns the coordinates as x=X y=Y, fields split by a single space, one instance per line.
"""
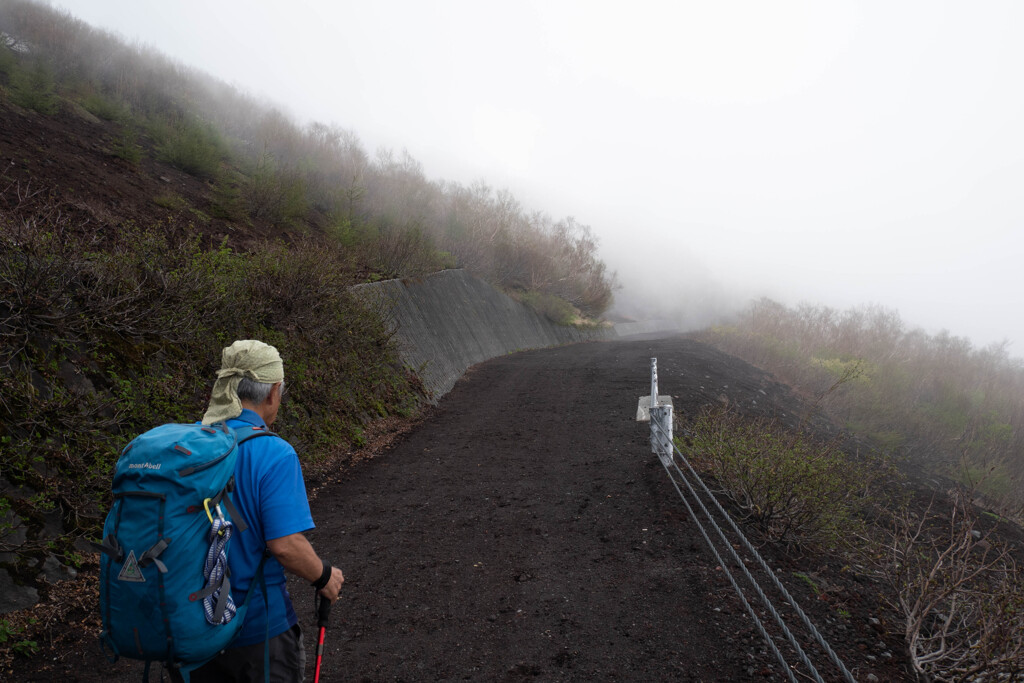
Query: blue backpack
x=164 y=584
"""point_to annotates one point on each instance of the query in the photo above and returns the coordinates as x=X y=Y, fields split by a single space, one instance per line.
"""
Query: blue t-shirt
x=270 y=494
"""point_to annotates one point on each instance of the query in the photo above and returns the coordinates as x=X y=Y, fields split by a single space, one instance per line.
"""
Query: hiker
x=271 y=497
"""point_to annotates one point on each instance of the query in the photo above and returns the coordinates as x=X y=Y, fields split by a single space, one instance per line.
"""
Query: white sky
x=837 y=152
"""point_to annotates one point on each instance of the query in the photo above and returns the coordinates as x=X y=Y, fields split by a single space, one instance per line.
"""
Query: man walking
x=270 y=495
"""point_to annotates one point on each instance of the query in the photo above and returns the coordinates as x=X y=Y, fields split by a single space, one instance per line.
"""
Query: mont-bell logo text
x=144 y=466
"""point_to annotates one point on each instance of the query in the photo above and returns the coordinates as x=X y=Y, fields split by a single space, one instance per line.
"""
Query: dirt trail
x=525 y=531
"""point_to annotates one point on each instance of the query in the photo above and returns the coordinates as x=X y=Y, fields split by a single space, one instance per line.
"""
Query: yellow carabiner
x=206 y=506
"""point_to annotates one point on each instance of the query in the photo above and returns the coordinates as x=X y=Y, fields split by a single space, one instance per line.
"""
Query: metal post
x=661 y=432
x=661 y=420
x=654 y=382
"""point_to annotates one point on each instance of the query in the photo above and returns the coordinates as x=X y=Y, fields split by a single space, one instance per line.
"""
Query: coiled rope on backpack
x=218 y=605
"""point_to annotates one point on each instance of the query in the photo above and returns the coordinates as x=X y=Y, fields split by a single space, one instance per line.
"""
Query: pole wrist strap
x=325 y=577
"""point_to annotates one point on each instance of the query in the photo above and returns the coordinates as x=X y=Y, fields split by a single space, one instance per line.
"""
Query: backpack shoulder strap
x=242 y=434
x=266 y=601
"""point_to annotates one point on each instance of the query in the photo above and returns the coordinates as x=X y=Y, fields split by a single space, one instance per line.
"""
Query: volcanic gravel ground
x=525 y=531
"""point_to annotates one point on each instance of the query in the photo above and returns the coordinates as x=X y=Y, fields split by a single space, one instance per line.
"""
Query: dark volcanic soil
x=525 y=531
x=67 y=161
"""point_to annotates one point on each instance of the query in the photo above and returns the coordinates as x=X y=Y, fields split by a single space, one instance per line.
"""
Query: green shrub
x=344 y=232
x=171 y=201
x=558 y=311
x=226 y=200
x=792 y=487
x=194 y=147
x=992 y=482
x=106 y=108
x=33 y=88
x=8 y=61
x=127 y=147
x=274 y=193
x=14 y=637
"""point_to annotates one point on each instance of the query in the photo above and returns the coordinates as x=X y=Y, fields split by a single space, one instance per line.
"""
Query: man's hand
x=333 y=587
x=297 y=556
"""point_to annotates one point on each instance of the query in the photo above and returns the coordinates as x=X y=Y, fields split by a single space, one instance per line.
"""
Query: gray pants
x=245 y=664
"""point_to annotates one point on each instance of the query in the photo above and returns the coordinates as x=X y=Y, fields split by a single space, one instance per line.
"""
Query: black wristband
x=325 y=577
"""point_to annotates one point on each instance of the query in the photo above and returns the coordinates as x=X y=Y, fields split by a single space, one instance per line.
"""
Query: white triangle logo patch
x=130 y=571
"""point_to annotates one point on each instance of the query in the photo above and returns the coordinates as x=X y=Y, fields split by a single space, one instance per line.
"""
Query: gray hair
x=255 y=392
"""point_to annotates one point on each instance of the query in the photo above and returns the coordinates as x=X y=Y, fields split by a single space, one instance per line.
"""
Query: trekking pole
x=322 y=612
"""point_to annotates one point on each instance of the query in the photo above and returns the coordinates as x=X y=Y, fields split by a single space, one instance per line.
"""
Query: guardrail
x=663 y=445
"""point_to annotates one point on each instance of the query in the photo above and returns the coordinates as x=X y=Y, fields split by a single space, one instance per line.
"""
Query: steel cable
x=764 y=566
x=847 y=676
x=746 y=572
x=721 y=563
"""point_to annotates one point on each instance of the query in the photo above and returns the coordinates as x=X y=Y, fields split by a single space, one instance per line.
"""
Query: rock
x=12 y=533
x=14 y=492
x=53 y=524
x=53 y=571
x=83 y=545
x=41 y=386
x=871 y=678
x=14 y=597
x=77 y=383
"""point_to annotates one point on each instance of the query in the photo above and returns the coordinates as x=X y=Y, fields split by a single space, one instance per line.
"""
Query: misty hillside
x=149 y=214
x=253 y=172
x=935 y=402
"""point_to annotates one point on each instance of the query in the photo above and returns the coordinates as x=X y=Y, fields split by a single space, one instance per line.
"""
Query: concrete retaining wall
x=448 y=321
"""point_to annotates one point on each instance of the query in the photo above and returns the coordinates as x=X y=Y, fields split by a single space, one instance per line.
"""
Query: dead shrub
x=959 y=593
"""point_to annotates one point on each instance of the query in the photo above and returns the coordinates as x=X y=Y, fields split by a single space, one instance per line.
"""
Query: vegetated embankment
x=343 y=372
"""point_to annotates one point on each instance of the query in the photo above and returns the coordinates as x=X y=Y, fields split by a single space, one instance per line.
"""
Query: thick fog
x=838 y=153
